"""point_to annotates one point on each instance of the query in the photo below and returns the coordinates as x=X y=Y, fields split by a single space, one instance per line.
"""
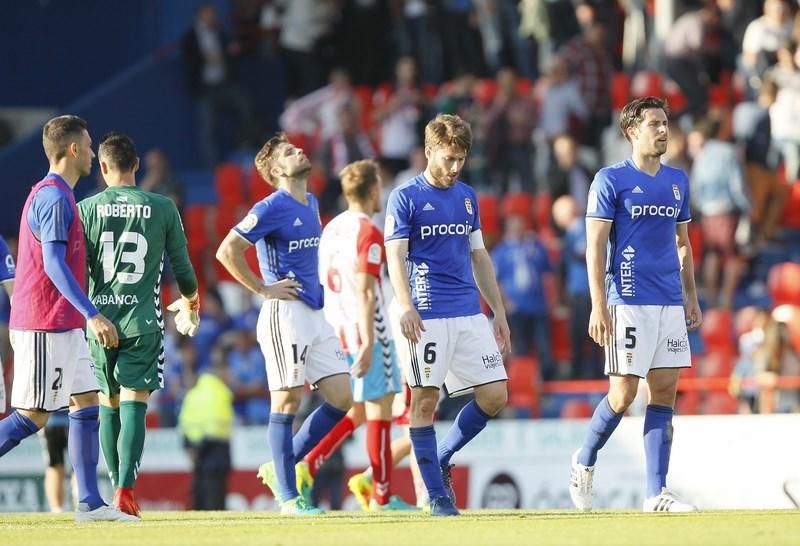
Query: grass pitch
x=774 y=528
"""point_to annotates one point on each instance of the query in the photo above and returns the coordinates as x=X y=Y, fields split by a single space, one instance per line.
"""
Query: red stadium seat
x=518 y=204
x=620 y=90
x=252 y=258
x=307 y=142
x=197 y=223
x=485 y=91
x=257 y=186
x=225 y=218
x=675 y=98
x=152 y=420
x=559 y=336
x=720 y=403
x=717 y=363
x=549 y=238
x=717 y=330
x=721 y=95
x=317 y=182
x=542 y=210
x=489 y=208
x=364 y=94
x=688 y=403
x=791 y=212
x=646 y=83
x=229 y=183
x=576 y=408
x=784 y=283
x=696 y=240
x=523 y=381
x=523 y=86
x=430 y=91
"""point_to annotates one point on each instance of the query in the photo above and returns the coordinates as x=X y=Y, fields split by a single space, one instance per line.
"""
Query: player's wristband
x=193 y=302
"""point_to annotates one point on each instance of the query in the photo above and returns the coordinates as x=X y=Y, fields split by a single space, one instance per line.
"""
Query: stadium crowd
x=541 y=83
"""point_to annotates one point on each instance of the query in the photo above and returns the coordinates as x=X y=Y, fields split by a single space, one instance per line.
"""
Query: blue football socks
x=314 y=429
x=604 y=422
x=83 y=445
x=280 y=441
x=423 y=440
x=469 y=422
x=13 y=429
x=657 y=446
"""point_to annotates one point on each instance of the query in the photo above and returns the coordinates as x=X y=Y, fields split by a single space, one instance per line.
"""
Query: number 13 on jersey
x=134 y=256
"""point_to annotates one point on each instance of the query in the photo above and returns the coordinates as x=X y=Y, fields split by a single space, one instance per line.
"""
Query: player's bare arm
x=694 y=316
x=410 y=322
x=365 y=289
x=485 y=278
x=231 y=255
x=597 y=232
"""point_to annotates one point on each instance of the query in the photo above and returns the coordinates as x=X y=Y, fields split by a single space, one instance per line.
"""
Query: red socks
x=329 y=443
x=379 y=449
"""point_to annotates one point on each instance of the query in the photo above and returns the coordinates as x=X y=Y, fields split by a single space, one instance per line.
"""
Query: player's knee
x=423 y=408
x=287 y=402
x=341 y=400
x=663 y=397
x=357 y=414
x=84 y=400
x=39 y=418
x=620 y=400
x=494 y=400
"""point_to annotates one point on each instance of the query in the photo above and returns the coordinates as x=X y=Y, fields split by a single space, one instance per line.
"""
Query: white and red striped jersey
x=350 y=244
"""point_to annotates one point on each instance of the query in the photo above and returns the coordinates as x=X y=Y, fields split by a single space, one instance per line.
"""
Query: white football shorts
x=647 y=337
x=298 y=345
x=459 y=353
x=49 y=367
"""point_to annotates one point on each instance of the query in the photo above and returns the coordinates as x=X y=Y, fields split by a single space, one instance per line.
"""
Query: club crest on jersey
x=248 y=223
x=374 y=254
x=468 y=205
x=676 y=192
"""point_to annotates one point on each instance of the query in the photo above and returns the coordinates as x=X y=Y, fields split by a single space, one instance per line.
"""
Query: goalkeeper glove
x=187 y=319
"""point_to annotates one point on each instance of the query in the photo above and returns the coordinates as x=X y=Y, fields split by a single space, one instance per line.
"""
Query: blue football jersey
x=437 y=223
x=642 y=261
x=7 y=266
x=286 y=234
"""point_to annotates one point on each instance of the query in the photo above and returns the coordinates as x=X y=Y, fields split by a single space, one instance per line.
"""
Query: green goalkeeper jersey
x=128 y=234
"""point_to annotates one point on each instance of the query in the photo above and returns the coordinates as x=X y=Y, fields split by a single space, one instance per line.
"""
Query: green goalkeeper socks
x=131 y=440
x=109 y=433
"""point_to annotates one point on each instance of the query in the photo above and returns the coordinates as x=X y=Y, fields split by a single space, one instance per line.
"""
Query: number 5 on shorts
x=630 y=337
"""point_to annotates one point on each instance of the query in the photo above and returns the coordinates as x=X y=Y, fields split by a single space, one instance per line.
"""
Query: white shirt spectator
x=304 y=21
x=763 y=35
x=558 y=103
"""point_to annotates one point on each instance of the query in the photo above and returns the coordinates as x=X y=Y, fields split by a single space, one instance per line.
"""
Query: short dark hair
x=264 y=159
x=59 y=133
x=633 y=113
x=118 y=150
